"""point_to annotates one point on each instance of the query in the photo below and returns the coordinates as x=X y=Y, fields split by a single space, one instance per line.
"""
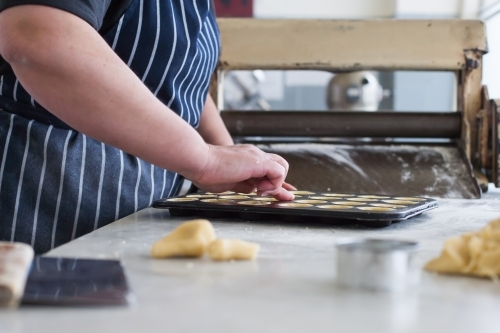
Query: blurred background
x=368 y=91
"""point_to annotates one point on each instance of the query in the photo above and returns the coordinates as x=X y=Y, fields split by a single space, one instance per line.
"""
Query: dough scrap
x=15 y=260
x=475 y=254
x=232 y=249
x=190 y=239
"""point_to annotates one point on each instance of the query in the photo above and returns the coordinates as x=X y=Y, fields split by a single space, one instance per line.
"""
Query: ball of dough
x=476 y=253
x=233 y=249
x=190 y=239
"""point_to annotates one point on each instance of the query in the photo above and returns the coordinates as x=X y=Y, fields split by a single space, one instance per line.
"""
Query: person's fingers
x=280 y=160
x=247 y=186
x=272 y=175
x=289 y=187
x=219 y=188
x=273 y=172
x=265 y=187
x=283 y=195
x=242 y=169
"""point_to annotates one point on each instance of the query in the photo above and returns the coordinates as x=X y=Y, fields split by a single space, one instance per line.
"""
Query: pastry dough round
x=361 y=199
x=234 y=197
x=294 y=205
x=253 y=203
x=334 y=207
x=373 y=197
x=200 y=196
x=182 y=199
x=265 y=199
x=313 y=202
x=348 y=203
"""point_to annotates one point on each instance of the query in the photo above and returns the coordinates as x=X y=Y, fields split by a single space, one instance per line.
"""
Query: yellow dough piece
x=190 y=239
x=232 y=249
x=475 y=253
x=15 y=261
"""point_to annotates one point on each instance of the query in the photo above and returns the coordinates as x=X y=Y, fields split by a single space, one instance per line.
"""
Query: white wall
x=427 y=8
x=345 y=9
x=466 y=9
x=491 y=73
x=340 y=9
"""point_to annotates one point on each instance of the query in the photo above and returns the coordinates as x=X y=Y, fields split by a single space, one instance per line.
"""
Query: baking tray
x=337 y=208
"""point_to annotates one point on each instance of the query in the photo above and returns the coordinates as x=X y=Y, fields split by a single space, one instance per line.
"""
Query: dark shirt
x=92 y=11
x=100 y=14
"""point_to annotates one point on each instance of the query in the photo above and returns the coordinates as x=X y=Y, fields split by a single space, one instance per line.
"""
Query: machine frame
x=387 y=45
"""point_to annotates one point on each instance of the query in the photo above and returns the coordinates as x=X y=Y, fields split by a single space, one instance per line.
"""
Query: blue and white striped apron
x=57 y=184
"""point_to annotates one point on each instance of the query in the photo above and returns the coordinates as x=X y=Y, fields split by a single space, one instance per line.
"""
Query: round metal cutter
x=376 y=264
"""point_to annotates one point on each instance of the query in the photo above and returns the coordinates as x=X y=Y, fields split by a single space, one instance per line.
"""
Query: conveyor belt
x=404 y=170
x=438 y=170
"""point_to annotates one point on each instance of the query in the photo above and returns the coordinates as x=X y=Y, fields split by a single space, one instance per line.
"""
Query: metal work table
x=290 y=288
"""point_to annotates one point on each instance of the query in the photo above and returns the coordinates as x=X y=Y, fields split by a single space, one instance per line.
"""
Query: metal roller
x=344 y=124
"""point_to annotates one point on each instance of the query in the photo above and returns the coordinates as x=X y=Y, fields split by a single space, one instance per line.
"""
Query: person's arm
x=70 y=70
x=212 y=128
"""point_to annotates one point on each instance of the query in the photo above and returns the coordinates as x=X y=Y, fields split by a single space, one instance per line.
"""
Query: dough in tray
x=475 y=253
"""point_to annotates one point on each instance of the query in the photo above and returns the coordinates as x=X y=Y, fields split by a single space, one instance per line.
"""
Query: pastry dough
x=190 y=239
x=195 y=238
x=254 y=203
x=232 y=249
x=15 y=261
x=475 y=253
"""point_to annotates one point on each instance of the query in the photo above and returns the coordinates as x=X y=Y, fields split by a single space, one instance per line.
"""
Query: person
x=104 y=108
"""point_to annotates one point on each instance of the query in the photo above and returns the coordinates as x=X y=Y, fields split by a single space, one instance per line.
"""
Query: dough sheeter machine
x=439 y=154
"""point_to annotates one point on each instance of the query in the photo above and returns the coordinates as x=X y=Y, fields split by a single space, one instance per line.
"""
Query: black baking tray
x=365 y=209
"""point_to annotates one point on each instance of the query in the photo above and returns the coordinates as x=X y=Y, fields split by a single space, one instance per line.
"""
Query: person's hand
x=244 y=168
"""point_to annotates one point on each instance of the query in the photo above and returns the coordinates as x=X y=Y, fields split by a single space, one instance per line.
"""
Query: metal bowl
x=377 y=264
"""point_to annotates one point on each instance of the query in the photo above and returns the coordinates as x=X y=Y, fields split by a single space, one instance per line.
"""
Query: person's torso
x=171 y=45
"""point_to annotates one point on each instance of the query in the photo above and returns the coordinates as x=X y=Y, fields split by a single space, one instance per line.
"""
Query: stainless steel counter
x=290 y=288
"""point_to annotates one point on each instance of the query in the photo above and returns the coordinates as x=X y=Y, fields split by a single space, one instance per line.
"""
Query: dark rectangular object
x=69 y=281
x=369 y=210
x=350 y=124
